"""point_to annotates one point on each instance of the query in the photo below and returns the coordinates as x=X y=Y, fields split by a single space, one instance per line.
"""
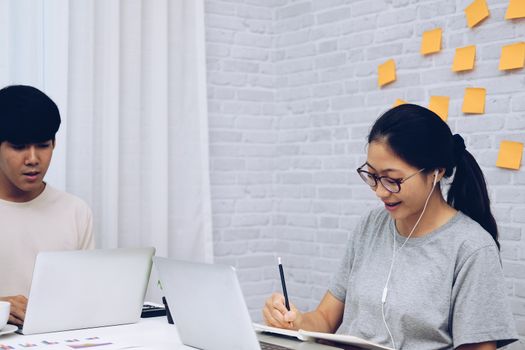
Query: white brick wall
x=292 y=93
x=243 y=139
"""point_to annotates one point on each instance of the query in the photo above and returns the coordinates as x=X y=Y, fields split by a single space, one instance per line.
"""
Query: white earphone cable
x=385 y=289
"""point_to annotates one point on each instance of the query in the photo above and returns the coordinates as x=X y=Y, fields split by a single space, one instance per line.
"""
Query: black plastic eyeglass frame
x=363 y=173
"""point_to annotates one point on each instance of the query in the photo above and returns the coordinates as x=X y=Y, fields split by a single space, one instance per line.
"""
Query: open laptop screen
x=88 y=288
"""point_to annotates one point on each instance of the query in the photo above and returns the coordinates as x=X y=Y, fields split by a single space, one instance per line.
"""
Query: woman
x=422 y=272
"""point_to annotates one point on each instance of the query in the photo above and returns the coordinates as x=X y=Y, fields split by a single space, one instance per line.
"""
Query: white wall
x=243 y=139
x=292 y=93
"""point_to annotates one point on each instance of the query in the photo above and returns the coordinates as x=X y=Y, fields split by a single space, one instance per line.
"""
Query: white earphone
x=394 y=252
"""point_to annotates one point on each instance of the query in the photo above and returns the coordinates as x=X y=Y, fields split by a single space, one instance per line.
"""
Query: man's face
x=22 y=169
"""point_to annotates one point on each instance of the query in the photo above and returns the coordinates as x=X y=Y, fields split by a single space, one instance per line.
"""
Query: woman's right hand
x=276 y=315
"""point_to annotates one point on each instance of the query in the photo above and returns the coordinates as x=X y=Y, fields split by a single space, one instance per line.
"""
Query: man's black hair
x=27 y=115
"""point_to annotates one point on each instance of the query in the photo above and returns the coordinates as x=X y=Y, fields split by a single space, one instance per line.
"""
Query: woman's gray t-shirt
x=446 y=289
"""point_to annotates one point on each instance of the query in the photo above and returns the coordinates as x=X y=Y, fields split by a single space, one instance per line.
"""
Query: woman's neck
x=437 y=213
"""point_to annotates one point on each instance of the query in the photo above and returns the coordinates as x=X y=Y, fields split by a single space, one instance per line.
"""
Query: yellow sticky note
x=399 y=102
x=464 y=58
x=512 y=56
x=516 y=9
x=431 y=41
x=474 y=101
x=509 y=155
x=476 y=12
x=386 y=72
x=439 y=105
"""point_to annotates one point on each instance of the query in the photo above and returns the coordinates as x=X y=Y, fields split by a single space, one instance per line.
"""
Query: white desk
x=150 y=333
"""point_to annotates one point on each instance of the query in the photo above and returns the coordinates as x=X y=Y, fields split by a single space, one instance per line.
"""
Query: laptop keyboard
x=268 y=346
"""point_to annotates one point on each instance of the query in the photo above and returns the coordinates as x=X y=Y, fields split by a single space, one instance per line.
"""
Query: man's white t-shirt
x=55 y=220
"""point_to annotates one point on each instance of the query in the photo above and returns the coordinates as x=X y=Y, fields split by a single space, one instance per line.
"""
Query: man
x=34 y=216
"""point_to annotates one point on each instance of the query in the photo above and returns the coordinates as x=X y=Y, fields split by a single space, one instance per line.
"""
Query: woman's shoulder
x=469 y=236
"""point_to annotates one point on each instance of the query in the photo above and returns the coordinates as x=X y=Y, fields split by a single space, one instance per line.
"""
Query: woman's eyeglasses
x=391 y=185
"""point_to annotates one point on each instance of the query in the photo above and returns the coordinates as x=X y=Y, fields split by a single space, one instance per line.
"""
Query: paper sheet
x=512 y=56
x=399 y=102
x=263 y=328
x=386 y=72
x=439 y=105
x=515 y=10
x=344 y=339
x=313 y=336
x=474 y=101
x=464 y=58
x=476 y=12
x=95 y=343
x=431 y=41
x=510 y=154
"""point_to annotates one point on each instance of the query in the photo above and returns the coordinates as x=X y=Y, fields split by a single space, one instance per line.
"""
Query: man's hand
x=18 y=308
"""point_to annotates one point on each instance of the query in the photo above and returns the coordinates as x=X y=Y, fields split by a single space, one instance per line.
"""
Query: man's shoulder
x=63 y=198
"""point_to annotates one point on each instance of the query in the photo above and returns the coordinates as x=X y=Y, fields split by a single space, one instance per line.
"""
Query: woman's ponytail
x=468 y=191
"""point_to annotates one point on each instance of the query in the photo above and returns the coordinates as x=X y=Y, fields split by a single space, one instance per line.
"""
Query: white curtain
x=129 y=79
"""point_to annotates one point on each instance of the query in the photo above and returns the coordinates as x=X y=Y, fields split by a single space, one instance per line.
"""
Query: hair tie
x=459 y=147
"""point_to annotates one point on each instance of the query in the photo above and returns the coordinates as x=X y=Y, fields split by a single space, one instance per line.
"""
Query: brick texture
x=292 y=93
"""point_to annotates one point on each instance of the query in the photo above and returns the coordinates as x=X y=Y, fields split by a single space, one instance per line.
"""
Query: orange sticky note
x=512 y=56
x=476 y=12
x=516 y=9
x=386 y=72
x=474 y=101
x=509 y=155
x=431 y=41
x=439 y=105
x=464 y=58
x=399 y=102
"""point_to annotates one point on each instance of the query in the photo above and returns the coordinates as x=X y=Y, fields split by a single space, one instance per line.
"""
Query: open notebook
x=312 y=336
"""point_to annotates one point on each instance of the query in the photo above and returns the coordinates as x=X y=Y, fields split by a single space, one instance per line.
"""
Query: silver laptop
x=207 y=305
x=87 y=288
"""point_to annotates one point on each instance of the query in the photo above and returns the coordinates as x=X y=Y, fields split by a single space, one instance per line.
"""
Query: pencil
x=283 y=283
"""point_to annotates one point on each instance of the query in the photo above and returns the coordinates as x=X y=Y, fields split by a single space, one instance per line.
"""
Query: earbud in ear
x=436 y=172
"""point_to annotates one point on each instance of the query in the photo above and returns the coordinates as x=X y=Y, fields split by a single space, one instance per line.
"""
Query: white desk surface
x=150 y=333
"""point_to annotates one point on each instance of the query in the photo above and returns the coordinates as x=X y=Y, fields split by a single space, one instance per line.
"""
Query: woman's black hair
x=27 y=115
x=422 y=139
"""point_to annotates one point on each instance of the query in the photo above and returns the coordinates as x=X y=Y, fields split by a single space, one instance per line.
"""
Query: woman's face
x=408 y=203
